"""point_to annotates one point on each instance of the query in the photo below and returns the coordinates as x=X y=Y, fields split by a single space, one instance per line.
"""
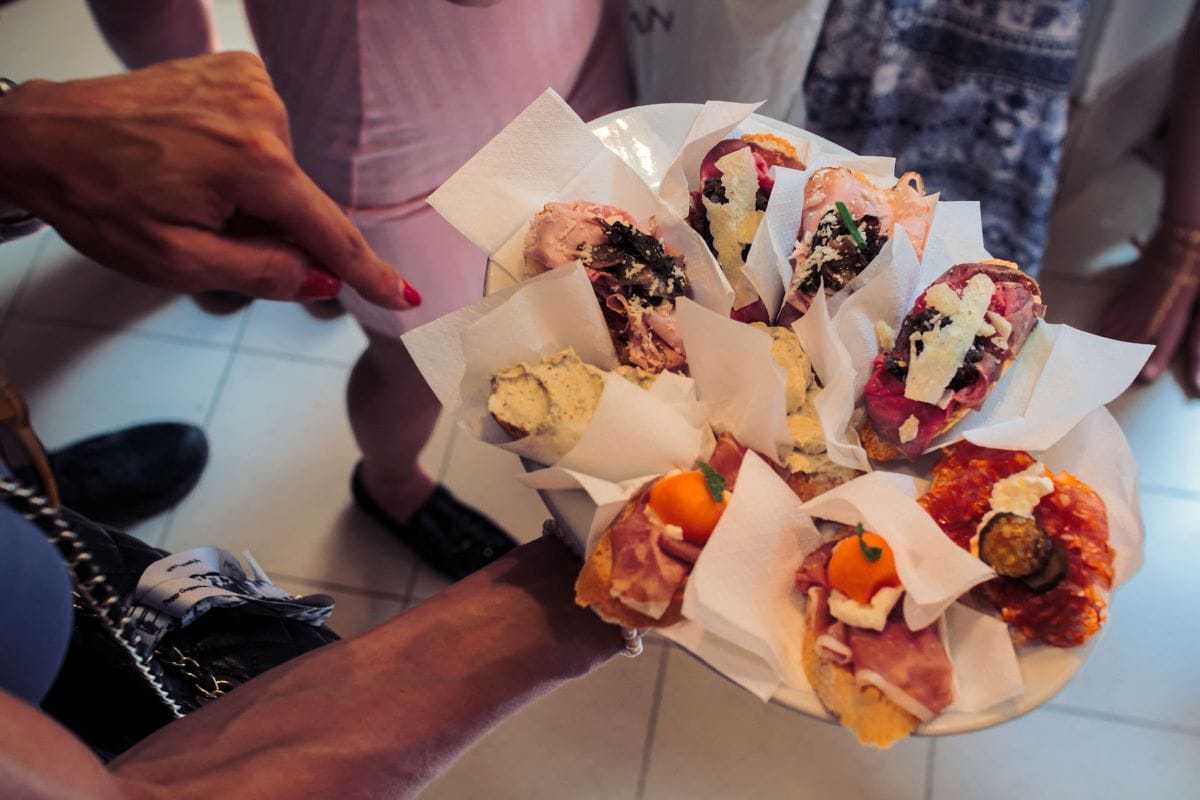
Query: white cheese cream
x=872 y=615
x=1017 y=494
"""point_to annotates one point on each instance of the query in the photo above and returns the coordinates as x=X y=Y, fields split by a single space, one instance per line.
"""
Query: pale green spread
x=555 y=398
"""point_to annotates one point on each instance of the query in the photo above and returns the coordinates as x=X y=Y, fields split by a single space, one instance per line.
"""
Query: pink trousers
x=387 y=99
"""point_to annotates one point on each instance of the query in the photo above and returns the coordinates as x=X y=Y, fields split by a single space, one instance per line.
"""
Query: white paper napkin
x=1061 y=375
x=547 y=154
x=986 y=671
x=743 y=388
x=632 y=432
x=742 y=587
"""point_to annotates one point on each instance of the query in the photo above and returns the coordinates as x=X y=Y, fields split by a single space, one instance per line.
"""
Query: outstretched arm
x=378 y=715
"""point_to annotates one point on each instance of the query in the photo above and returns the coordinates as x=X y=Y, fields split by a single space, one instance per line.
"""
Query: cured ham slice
x=903 y=414
x=635 y=276
x=910 y=668
x=827 y=252
x=644 y=576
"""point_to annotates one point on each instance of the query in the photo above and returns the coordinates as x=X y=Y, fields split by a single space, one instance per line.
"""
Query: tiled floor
x=267 y=383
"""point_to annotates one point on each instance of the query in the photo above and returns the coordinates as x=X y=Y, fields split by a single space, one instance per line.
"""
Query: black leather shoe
x=449 y=536
x=126 y=476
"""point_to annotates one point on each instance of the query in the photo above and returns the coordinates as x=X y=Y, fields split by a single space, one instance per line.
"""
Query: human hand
x=181 y=175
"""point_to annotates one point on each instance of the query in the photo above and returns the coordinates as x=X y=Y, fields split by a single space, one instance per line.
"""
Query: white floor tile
x=54 y=39
x=152 y=531
x=1051 y=756
x=233 y=30
x=68 y=286
x=353 y=613
x=1090 y=234
x=582 y=741
x=1144 y=666
x=715 y=740
x=1163 y=426
x=485 y=477
x=81 y=382
x=278 y=480
x=290 y=328
x=482 y=476
x=16 y=260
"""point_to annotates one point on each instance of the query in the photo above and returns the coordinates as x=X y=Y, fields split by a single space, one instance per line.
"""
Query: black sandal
x=446 y=534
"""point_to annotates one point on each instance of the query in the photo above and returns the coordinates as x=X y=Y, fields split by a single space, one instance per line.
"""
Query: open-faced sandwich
x=636 y=573
x=735 y=185
x=807 y=467
x=1045 y=535
x=961 y=336
x=635 y=276
x=878 y=677
x=553 y=399
x=847 y=220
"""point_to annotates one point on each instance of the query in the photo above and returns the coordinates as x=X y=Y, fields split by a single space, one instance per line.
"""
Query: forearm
x=146 y=33
x=385 y=712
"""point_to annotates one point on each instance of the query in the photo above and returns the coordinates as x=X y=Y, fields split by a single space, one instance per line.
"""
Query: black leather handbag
x=113 y=690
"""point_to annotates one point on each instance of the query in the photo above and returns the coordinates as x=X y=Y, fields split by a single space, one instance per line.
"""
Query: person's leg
x=1155 y=306
x=399 y=108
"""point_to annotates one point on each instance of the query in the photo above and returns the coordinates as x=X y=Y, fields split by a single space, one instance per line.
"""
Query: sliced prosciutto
x=635 y=276
x=649 y=564
x=910 y=668
x=951 y=349
x=828 y=253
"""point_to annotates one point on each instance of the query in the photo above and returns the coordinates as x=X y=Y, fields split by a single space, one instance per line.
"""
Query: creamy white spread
x=808 y=454
x=734 y=222
x=871 y=615
x=944 y=347
x=1017 y=494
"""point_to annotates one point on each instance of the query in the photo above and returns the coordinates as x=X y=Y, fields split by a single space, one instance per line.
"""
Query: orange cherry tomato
x=856 y=576
x=684 y=500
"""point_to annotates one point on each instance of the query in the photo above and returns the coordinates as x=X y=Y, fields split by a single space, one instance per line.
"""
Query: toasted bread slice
x=593 y=589
x=808 y=485
x=776 y=144
x=877 y=449
x=873 y=718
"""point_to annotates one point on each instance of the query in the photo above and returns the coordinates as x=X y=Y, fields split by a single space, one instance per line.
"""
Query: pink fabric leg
x=150 y=31
x=386 y=101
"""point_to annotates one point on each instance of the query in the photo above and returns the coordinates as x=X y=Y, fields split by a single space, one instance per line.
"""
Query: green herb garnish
x=855 y=233
x=713 y=482
x=872 y=554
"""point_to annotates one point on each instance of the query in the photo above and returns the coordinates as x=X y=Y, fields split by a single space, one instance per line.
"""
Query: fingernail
x=411 y=295
x=318 y=285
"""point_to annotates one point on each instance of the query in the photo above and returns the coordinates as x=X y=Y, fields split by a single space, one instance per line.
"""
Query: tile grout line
x=1169 y=491
x=1122 y=719
x=62 y=322
x=652 y=724
x=930 y=763
x=213 y=403
x=30 y=266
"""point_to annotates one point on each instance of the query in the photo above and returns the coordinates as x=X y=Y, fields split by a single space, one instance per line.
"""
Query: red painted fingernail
x=318 y=285
x=411 y=295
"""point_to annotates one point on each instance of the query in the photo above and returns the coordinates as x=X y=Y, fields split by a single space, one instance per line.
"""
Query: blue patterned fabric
x=972 y=94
